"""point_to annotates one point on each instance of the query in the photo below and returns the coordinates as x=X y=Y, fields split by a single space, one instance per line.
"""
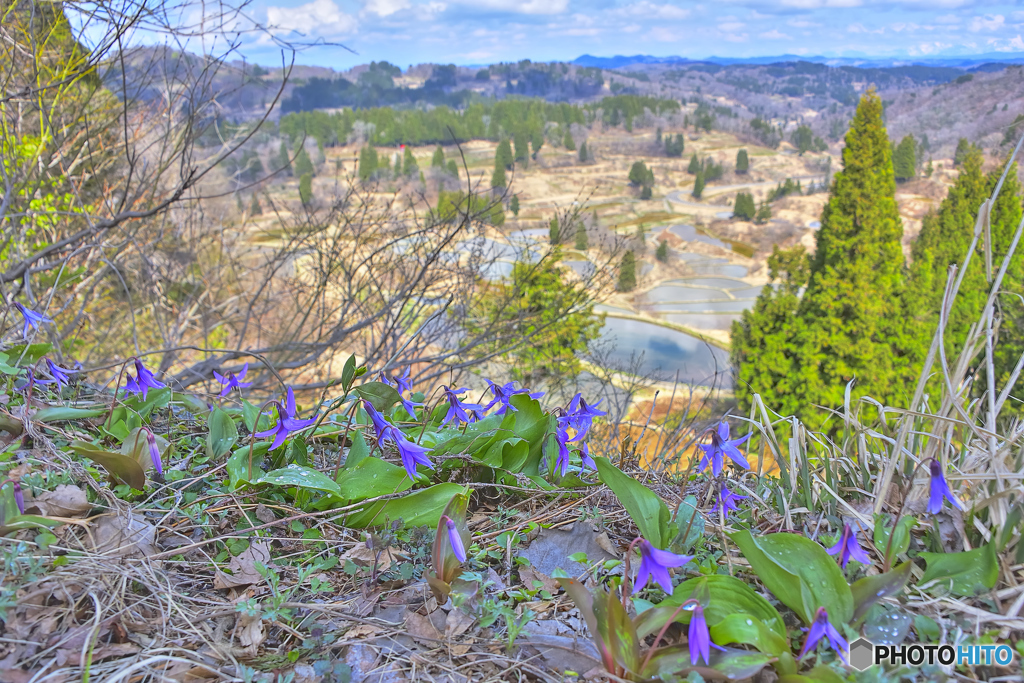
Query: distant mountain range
x=964 y=62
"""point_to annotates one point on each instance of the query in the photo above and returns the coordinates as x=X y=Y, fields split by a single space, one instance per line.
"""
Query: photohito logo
x=864 y=654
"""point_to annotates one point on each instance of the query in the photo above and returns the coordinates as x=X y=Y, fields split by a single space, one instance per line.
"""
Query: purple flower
x=721 y=446
x=404 y=383
x=31 y=380
x=580 y=416
x=60 y=376
x=503 y=394
x=727 y=501
x=455 y=539
x=380 y=423
x=19 y=497
x=412 y=453
x=822 y=628
x=154 y=454
x=654 y=564
x=700 y=638
x=143 y=383
x=32 y=319
x=233 y=381
x=585 y=457
x=381 y=377
x=286 y=422
x=562 y=461
x=940 y=490
x=457 y=409
x=848 y=546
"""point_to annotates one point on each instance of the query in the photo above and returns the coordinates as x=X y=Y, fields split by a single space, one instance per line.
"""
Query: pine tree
x=850 y=323
x=803 y=139
x=904 y=162
x=303 y=164
x=498 y=177
x=627 y=272
x=583 y=153
x=962 y=148
x=453 y=168
x=554 y=231
x=503 y=156
x=569 y=143
x=742 y=161
x=368 y=162
x=764 y=213
x=522 y=143
x=694 y=166
x=513 y=205
x=537 y=141
x=581 y=236
x=284 y=159
x=437 y=161
x=306 y=189
x=698 y=185
x=744 y=207
x=409 y=165
x=661 y=253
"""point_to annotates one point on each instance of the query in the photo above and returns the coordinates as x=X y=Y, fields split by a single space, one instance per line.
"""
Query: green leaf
x=647 y=510
x=967 y=574
x=447 y=567
x=136 y=447
x=732 y=663
x=690 y=524
x=727 y=596
x=616 y=630
x=819 y=674
x=584 y=601
x=743 y=629
x=475 y=440
x=33 y=354
x=120 y=466
x=900 y=540
x=380 y=395
x=869 y=590
x=223 y=434
x=348 y=373
x=531 y=423
x=238 y=463
x=5 y=368
x=19 y=522
x=371 y=477
x=800 y=574
x=250 y=414
x=157 y=398
x=301 y=477
x=65 y=414
x=357 y=452
x=422 y=508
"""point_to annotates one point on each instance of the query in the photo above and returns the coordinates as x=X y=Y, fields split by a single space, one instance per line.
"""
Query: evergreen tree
x=694 y=166
x=581 y=236
x=254 y=206
x=674 y=146
x=640 y=175
x=744 y=207
x=640 y=237
x=962 y=148
x=409 y=165
x=498 y=177
x=657 y=137
x=453 y=168
x=437 y=161
x=537 y=141
x=742 y=161
x=698 y=185
x=904 y=162
x=627 y=272
x=284 y=159
x=583 y=153
x=513 y=205
x=803 y=139
x=503 y=156
x=522 y=143
x=303 y=164
x=306 y=189
x=929 y=169
x=661 y=253
x=368 y=162
x=764 y=213
x=554 y=231
x=569 y=143
x=850 y=323
x=646 y=192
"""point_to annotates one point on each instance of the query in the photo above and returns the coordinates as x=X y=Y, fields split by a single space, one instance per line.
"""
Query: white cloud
x=803 y=23
x=1017 y=43
x=989 y=22
x=519 y=6
x=319 y=17
x=928 y=48
x=385 y=8
x=947 y=19
x=774 y=34
x=817 y=4
x=731 y=26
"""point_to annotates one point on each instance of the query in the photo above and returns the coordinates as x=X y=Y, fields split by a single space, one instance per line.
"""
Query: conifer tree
x=453 y=168
x=498 y=177
x=583 y=153
x=694 y=166
x=742 y=161
x=904 y=162
x=627 y=272
x=513 y=205
x=661 y=253
x=303 y=164
x=581 y=236
x=537 y=141
x=284 y=158
x=367 y=162
x=570 y=144
x=641 y=237
x=503 y=155
x=962 y=148
x=554 y=231
x=744 y=207
x=522 y=143
x=437 y=161
x=306 y=189
x=409 y=165
x=698 y=185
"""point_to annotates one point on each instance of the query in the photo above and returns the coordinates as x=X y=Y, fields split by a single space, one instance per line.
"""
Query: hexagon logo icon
x=862 y=654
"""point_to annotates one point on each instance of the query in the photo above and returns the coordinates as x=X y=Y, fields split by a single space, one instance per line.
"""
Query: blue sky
x=408 y=32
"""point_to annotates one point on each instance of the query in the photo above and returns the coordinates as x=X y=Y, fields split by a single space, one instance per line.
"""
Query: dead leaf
x=64 y=501
x=364 y=604
x=528 y=575
x=67 y=657
x=458 y=622
x=606 y=545
x=461 y=649
x=265 y=514
x=243 y=567
x=251 y=633
x=552 y=548
x=420 y=626
x=362 y=631
x=364 y=557
x=120 y=536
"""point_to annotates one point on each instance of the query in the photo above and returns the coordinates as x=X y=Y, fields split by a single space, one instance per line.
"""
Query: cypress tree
x=498 y=177
x=694 y=166
x=698 y=185
x=661 y=253
x=513 y=205
x=583 y=152
x=503 y=155
x=742 y=161
x=581 y=236
x=437 y=161
x=554 y=231
x=367 y=162
x=306 y=189
x=962 y=148
x=627 y=272
x=904 y=162
x=303 y=164
x=409 y=165
x=744 y=207
x=570 y=144
x=522 y=143
x=453 y=168
x=537 y=141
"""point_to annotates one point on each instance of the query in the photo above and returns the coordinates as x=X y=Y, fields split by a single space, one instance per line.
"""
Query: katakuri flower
x=562 y=461
x=61 y=377
x=455 y=539
x=699 y=637
x=457 y=410
x=585 y=457
x=19 y=497
x=404 y=383
x=654 y=564
x=143 y=383
x=233 y=381
x=32 y=319
x=412 y=453
x=580 y=416
x=848 y=547
x=154 y=454
x=727 y=501
x=503 y=394
x=721 y=446
x=940 y=490
x=823 y=628
x=380 y=423
x=287 y=423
